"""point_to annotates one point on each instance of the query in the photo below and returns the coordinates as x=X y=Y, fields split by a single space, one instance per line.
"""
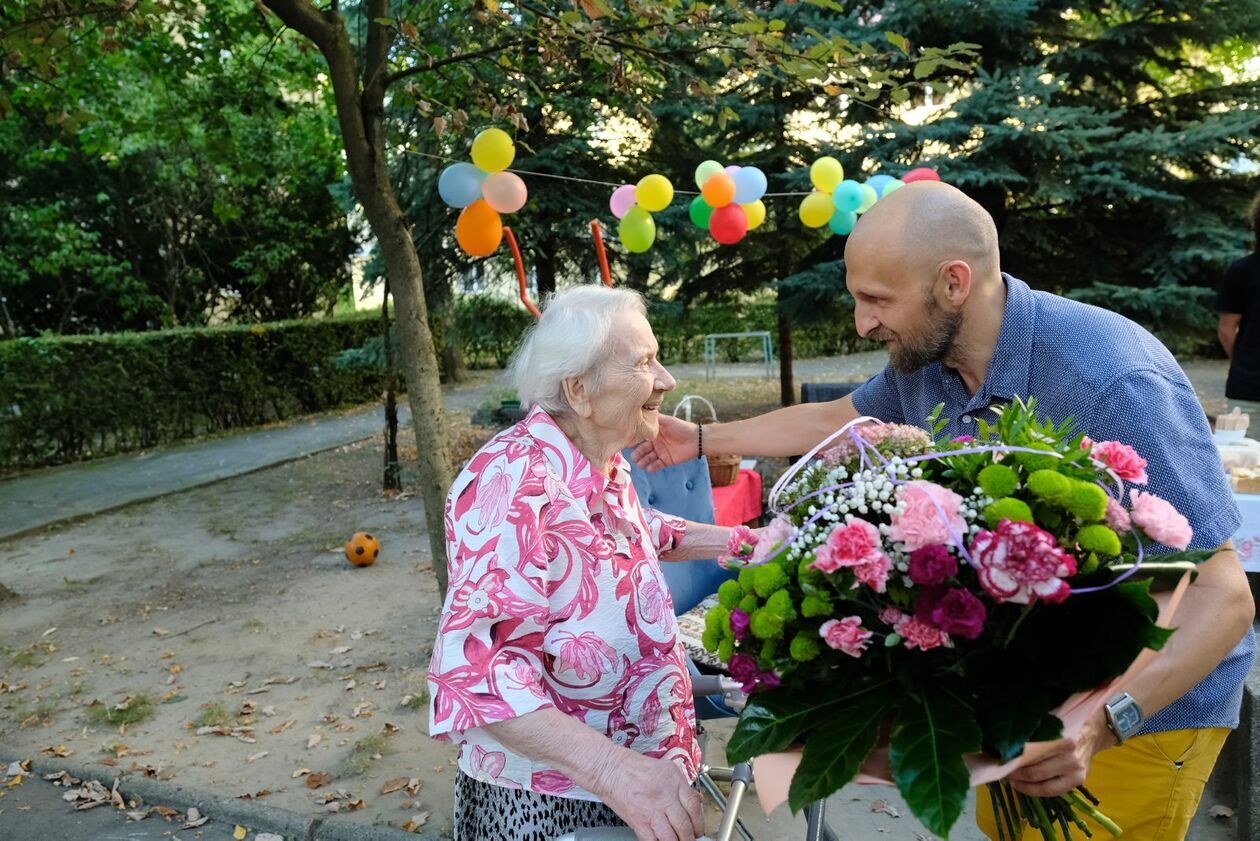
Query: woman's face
x=631 y=385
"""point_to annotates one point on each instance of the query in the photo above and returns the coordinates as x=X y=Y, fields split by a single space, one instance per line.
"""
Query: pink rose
x=1161 y=522
x=928 y=514
x=772 y=538
x=1021 y=562
x=932 y=565
x=1117 y=518
x=846 y=635
x=1122 y=459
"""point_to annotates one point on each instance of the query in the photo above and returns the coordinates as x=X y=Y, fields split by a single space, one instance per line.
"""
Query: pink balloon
x=504 y=191
x=622 y=200
x=923 y=173
x=732 y=169
x=728 y=224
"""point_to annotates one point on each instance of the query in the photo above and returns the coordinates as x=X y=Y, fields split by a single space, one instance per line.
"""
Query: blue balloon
x=842 y=222
x=848 y=196
x=879 y=182
x=460 y=184
x=750 y=185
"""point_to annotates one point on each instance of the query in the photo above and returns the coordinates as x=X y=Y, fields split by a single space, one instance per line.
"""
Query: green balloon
x=705 y=170
x=700 y=212
x=637 y=230
x=893 y=186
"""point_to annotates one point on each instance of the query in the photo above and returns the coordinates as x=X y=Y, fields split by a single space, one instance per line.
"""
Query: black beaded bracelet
x=700 y=446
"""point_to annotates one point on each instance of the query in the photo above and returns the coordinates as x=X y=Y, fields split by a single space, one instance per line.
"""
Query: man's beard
x=915 y=351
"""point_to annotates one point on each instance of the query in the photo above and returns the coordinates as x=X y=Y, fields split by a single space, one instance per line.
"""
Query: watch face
x=1128 y=717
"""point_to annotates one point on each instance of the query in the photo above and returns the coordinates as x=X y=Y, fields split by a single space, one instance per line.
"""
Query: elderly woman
x=557 y=665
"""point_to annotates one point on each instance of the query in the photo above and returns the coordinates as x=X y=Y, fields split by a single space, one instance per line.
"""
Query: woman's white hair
x=572 y=339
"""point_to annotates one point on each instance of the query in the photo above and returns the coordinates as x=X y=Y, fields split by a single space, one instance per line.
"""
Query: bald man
x=924 y=271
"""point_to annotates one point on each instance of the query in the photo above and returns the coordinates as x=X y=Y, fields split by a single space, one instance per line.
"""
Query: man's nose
x=865 y=322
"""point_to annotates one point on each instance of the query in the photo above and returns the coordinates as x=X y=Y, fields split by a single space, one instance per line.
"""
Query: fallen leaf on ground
x=299 y=772
x=59 y=750
x=417 y=820
x=280 y=728
x=886 y=808
x=394 y=785
x=168 y=812
x=1219 y=811
x=319 y=664
x=313 y=740
x=341 y=649
x=257 y=756
x=159 y=632
x=350 y=685
x=318 y=779
x=239 y=833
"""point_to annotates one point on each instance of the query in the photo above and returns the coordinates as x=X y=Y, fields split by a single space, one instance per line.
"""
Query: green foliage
x=935 y=728
x=175 y=165
x=68 y=398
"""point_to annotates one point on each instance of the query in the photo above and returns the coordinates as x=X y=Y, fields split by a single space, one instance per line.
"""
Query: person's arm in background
x=1227 y=330
x=1231 y=301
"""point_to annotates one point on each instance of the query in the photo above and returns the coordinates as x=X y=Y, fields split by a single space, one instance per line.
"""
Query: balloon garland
x=728 y=206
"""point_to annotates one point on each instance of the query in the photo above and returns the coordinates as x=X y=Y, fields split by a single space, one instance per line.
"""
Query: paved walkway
x=41 y=498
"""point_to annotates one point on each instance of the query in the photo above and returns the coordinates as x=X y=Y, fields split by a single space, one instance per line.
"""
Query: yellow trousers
x=1150 y=786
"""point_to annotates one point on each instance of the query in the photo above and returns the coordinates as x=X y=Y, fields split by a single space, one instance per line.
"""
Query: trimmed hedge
x=66 y=398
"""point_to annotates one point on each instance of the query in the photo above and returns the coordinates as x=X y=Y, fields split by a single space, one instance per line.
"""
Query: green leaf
x=834 y=752
x=777 y=25
x=772 y=720
x=931 y=735
x=926 y=67
x=383 y=21
x=898 y=41
x=1010 y=717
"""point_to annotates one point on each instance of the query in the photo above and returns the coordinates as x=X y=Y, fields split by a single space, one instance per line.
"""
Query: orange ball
x=362 y=549
x=718 y=189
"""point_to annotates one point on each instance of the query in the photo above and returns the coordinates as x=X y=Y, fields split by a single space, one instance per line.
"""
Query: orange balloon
x=479 y=229
x=718 y=190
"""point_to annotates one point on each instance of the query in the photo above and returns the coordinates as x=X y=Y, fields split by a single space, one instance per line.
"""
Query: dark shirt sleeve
x=1235 y=293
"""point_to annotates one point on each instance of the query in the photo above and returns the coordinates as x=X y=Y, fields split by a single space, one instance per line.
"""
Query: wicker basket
x=723 y=470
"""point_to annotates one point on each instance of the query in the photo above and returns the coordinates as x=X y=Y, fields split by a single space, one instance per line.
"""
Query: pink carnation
x=741 y=541
x=855 y=545
x=932 y=565
x=772 y=538
x=1122 y=459
x=927 y=516
x=1160 y=521
x=1021 y=562
x=846 y=635
x=915 y=632
x=1117 y=518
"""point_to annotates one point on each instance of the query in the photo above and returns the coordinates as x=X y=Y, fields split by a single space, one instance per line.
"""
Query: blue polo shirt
x=1120 y=384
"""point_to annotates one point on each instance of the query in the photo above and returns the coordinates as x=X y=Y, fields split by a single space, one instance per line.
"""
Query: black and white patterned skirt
x=486 y=812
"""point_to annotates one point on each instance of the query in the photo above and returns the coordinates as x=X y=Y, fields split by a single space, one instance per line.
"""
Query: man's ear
x=577 y=392
x=953 y=282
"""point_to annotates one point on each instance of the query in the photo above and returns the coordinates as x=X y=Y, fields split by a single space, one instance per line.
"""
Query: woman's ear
x=577 y=393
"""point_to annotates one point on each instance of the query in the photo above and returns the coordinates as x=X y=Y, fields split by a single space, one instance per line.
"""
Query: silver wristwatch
x=1124 y=716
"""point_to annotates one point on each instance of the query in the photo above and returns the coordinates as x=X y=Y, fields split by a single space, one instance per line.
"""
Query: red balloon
x=728 y=224
x=923 y=173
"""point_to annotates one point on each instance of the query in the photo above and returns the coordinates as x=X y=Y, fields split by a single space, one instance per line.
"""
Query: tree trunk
x=442 y=317
x=360 y=110
x=787 y=395
x=392 y=480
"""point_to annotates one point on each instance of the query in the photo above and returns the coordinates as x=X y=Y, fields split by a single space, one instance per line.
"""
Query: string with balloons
x=729 y=204
x=483 y=189
x=837 y=202
x=634 y=205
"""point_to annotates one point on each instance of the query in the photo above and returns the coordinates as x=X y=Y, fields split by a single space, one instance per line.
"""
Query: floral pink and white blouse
x=556 y=599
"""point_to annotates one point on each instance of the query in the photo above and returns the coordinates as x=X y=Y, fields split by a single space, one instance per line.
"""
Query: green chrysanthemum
x=1050 y=486
x=766 y=623
x=768 y=578
x=1087 y=501
x=816 y=605
x=729 y=594
x=1009 y=508
x=804 y=647
x=998 y=480
x=1098 y=538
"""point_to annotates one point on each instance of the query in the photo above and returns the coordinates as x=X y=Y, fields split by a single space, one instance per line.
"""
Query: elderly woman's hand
x=651 y=795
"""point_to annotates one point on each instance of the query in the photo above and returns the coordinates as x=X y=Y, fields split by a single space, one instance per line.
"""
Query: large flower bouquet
x=943 y=599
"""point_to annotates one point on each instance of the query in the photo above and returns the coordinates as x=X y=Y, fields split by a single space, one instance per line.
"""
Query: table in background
x=710 y=350
x=741 y=502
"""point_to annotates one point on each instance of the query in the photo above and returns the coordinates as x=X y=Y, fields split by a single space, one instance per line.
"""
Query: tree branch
x=379 y=39
x=301 y=16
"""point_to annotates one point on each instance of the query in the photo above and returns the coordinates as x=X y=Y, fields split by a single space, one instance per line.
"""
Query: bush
x=66 y=398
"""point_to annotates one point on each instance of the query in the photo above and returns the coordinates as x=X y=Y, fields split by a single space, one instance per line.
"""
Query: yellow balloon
x=493 y=150
x=756 y=212
x=816 y=210
x=826 y=173
x=654 y=193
